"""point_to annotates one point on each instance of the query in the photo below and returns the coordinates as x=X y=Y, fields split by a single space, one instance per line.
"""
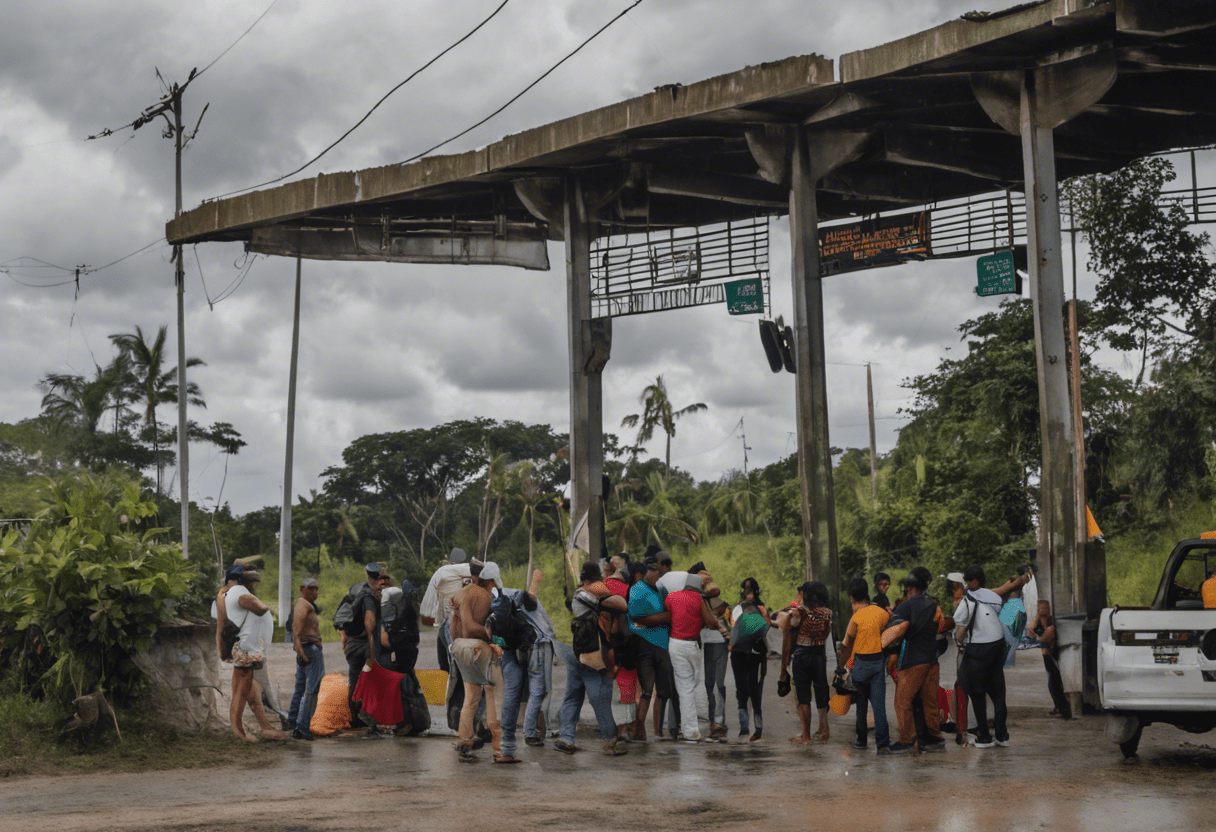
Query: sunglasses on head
x=385 y=577
x=665 y=562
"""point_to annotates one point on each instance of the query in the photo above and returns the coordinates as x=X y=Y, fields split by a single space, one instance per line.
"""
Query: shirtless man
x=310 y=662
x=478 y=661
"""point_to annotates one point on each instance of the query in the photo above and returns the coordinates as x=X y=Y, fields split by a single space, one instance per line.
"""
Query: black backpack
x=585 y=629
x=510 y=623
x=344 y=615
x=400 y=619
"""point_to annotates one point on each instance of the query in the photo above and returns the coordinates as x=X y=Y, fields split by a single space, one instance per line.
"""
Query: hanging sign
x=996 y=274
x=881 y=241
x=745 y=297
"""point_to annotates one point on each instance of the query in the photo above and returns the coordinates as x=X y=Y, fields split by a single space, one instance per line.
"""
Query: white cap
x=956 y=577
x=490 y=572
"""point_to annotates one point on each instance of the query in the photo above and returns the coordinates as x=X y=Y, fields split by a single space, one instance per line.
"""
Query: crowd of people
x=644 y=639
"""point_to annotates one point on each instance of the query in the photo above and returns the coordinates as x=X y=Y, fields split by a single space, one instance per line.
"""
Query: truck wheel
x=1130 y=747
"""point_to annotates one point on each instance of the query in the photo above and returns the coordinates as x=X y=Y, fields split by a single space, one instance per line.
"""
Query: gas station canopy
x=930 y=117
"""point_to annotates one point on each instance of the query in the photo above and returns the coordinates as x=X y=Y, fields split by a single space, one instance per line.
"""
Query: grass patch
x=31 y=744
x=1136 y=558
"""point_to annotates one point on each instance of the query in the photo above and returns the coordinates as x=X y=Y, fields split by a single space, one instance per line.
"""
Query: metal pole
x=873 y=442
x=285 y=582
x=814 y=450
x=586 y=402
x=1057 y=517
x=183 y=439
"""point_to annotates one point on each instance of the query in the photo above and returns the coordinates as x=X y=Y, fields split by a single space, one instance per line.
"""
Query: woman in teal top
x=650 y=623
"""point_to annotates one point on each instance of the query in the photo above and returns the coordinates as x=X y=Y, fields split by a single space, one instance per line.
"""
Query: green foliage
x=1152 y=270
x=85 y=586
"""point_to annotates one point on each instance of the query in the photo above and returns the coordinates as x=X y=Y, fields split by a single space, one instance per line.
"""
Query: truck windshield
x=1184 y=592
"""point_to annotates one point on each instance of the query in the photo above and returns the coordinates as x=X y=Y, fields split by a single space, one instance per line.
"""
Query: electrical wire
x=238 y=40
x=368 y=114
x=231 y=288
x=729 y=437
x=126 y=256
x=521 y=93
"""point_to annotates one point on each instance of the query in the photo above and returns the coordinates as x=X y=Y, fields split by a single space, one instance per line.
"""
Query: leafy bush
x=85 y=587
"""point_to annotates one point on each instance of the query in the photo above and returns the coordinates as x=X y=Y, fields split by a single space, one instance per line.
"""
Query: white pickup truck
x=1159 y=664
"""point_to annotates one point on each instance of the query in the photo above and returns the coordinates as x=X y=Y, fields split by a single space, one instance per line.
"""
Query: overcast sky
x=386 y=346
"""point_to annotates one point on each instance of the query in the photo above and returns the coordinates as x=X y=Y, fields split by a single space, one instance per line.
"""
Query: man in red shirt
x=689 y=613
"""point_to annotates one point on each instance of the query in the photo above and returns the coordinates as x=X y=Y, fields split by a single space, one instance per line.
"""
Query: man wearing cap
x=310 y=662
x=478 y=660
x=361 y=643
x=916 y=620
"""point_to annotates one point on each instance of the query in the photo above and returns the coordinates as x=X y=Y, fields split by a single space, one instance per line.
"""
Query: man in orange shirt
x=863 y=641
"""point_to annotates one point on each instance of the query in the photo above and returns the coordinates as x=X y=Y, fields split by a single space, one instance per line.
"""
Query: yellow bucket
x=840 y=703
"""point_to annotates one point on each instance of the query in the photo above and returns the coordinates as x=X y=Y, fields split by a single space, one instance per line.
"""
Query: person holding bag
x=255 y=630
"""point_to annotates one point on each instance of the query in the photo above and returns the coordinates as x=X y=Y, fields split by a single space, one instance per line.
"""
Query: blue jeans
x=594 y=685
x=513 y=678
x=715 y=680
x=540 y=682
x=308 y=682
x=565 y=654
x=870 y=678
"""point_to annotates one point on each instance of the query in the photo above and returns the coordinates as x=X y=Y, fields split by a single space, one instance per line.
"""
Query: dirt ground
x=1055 y=776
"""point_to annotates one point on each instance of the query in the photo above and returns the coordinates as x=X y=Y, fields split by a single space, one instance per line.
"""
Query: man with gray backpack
x=982 y=670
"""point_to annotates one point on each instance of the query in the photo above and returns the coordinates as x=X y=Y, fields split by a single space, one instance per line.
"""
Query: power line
x=521 y=93
x=127 y=256
x=238 y=40
x=368 y=114
x=76 y=273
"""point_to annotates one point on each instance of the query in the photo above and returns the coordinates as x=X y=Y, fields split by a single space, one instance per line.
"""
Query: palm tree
x=657 y=412
x=152 y=383
x=525 y=477
x=80 y=402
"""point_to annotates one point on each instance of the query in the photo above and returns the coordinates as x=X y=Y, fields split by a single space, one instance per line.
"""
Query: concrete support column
x=814 y=454
x=1057 y=512
x=586 y=380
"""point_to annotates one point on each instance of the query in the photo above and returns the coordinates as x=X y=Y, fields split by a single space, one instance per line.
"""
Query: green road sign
x=745 y=297
x=997 y=275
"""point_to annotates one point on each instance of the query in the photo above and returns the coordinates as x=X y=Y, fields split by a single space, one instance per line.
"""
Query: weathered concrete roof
x=687 y=155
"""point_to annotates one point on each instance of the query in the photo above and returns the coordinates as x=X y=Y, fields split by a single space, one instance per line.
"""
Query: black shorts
x=654 y=669
x=809 y=671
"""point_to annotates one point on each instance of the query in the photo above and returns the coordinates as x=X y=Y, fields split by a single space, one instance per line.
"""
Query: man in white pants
x=689 y=614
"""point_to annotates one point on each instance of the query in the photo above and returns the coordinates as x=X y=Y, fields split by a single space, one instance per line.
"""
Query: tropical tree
x=152 y=383
x=528 y=489
x=658 y=412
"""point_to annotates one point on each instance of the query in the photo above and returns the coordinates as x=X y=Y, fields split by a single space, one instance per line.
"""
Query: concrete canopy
x=906 y=117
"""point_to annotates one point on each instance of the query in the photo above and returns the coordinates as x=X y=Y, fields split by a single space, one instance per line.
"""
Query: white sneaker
x=695 y=738
x=982 y=744
x=1003 y=743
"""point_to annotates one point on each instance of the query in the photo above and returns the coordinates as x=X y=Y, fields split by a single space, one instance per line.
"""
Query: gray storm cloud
x=389 y=347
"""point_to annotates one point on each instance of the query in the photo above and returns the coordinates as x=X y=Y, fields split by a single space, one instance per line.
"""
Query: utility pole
x=285 y=582
x=743 y=434
x=873 y=442
x=183 y=438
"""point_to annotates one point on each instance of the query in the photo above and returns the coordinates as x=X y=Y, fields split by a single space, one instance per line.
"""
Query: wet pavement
x=1055 y=775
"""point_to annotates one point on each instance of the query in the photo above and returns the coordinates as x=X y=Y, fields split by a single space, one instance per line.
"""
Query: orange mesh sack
x=333 y=710
x=434 y=684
